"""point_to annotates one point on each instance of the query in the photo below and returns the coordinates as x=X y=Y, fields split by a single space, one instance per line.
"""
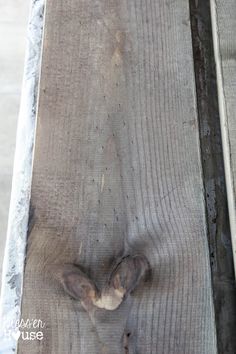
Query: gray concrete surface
x=13 y=26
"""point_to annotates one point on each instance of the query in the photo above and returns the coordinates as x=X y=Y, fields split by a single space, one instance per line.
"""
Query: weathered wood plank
x=117 y=171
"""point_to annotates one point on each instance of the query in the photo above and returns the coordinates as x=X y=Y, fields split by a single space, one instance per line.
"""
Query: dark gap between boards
x=218 y=229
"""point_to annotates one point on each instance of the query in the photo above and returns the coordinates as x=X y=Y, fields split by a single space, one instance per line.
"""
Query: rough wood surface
x=116 y=172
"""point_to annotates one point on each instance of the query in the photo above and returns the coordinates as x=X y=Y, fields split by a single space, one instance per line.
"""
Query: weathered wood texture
x=224 y=29
x=117 y=171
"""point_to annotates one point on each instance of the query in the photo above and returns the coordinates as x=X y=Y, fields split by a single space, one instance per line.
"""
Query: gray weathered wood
x=117 y=171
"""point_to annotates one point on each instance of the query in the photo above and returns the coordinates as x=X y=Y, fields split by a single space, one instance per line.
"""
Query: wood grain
x=117 y=171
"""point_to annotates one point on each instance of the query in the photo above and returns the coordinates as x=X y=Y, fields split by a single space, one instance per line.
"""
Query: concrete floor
x=13 y=26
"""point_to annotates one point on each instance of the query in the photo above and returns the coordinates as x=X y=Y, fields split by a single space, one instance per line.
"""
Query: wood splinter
x=123 y=279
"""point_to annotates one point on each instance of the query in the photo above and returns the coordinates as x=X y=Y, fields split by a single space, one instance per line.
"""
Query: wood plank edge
x=224 y=128
x=217 y=217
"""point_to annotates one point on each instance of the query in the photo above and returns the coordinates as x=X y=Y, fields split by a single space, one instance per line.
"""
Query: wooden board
x=117 y=171
x=224 y=27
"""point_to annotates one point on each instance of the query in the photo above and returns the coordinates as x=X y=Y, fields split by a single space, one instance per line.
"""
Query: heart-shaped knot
x=123 y=279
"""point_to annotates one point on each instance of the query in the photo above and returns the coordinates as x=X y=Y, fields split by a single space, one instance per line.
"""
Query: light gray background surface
x=13 y=26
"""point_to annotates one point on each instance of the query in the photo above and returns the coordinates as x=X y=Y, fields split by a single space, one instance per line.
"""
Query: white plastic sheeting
x=13 y=265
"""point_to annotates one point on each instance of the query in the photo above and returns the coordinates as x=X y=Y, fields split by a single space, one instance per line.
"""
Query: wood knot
x=123 y=279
